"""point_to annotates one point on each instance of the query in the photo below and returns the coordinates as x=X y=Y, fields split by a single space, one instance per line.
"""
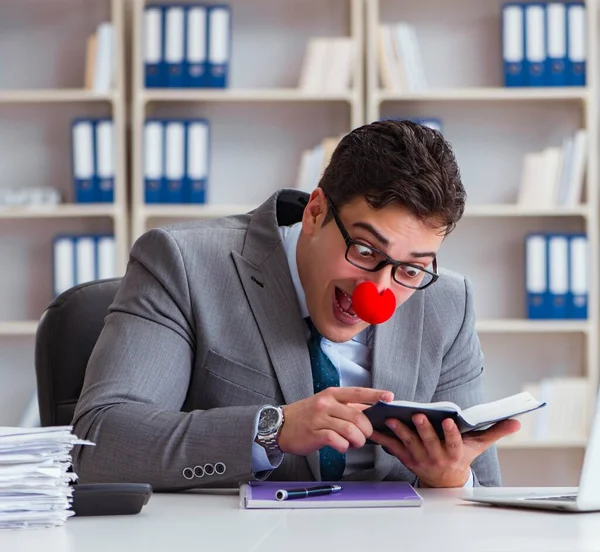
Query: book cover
x=477 y=417
x=354 y=494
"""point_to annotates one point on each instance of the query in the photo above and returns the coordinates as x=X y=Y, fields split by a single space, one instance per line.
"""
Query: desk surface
x=213 y=521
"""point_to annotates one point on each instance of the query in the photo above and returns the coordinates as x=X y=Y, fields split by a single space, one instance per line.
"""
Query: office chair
x=66 y=335
x=65 y=338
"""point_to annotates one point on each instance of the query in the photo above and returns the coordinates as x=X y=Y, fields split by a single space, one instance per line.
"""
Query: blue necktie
x=325 y=375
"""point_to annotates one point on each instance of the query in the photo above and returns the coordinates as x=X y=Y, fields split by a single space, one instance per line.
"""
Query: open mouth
x=343 y=307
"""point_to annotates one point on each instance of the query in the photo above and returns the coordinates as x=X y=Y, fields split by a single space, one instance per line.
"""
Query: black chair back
x=66 y=335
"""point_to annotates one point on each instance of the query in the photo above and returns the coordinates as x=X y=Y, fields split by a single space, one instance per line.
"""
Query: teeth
x=346 y=312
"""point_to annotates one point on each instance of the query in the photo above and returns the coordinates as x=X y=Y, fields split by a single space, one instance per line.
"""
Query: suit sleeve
x=461 y=381
x=136 y=384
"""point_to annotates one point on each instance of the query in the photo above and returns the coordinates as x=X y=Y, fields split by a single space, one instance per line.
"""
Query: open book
x=477 y=417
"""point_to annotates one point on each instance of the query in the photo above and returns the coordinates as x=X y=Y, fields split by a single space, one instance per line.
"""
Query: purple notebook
x=354 y=494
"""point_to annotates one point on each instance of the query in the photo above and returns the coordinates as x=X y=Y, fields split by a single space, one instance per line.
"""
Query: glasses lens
x=363 y=256
x=413 y=277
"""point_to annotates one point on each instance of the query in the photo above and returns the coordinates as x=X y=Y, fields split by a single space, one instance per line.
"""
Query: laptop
x=585 y=499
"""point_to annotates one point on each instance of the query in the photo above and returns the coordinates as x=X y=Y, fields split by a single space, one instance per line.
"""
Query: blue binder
x=64 y=264
x=513 y=44
x=536 y=277
x=578 y=277
x=535 y=44
x=577 y=45
x=105 y=163
x=197 y=160
x=174 y=161
x=196 y=47
x=219 y=46
x=175 y=45
x=153 y=160
x=558 y=274
x=83 y=160
x=154 y=29
x=556 y=33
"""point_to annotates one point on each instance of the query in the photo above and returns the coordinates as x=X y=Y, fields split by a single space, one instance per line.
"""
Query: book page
x=441 y=405
x=503 y=408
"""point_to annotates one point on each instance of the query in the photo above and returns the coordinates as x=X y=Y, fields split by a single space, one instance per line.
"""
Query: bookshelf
x=490 y=128
x=249 y=162
x=41 y=91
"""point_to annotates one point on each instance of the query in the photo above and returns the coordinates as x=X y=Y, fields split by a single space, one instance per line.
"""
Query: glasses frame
x=386 y=259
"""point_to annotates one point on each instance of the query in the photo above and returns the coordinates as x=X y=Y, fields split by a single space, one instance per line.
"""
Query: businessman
x=232 y=350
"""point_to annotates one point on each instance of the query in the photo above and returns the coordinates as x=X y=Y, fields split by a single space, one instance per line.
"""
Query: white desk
x=203 y=522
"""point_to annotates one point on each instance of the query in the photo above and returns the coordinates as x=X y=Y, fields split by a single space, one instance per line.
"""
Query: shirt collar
x=289 y=237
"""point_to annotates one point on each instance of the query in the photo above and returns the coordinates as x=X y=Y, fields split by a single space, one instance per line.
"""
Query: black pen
x=321 y=490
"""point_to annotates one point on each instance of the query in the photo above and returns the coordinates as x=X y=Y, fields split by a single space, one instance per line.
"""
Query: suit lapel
x=396 y=356
x=264 y=274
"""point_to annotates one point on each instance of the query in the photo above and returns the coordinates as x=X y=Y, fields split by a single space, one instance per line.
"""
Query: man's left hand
x=440 y=463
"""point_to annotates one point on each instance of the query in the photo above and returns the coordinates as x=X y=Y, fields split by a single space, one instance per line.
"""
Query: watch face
x=268 y=420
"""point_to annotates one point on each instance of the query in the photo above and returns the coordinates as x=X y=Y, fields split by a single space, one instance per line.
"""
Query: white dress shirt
x=352 y=359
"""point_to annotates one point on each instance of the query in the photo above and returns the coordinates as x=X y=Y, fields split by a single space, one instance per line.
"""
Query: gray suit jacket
x=206 y=328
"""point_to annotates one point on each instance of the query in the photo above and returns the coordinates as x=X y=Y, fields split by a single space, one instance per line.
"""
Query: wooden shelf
x=508 y=444
x=18 y=328
x=485 y=94
x=242 y=95
x=532 y=326
x=193 y=211
x=59 y=211
x=65 y=95
x=508 y=210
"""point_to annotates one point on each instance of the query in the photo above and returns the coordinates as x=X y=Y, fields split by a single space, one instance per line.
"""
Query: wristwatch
x=270 y=420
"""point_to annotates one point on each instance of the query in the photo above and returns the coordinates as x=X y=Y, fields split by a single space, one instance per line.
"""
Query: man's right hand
x=331 y=418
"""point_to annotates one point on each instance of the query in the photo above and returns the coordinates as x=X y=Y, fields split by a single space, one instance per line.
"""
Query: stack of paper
x=34 y=476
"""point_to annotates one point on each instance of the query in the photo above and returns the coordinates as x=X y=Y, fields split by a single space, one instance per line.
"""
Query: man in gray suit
x=232 y=350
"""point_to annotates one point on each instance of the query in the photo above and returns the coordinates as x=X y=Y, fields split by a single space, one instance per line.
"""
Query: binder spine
x=84 y=171
x=153 y=160
x=196 y=62
x=174 y=162
x=105 y=160
x=557 y=43
x=197 y=160
x=577 y=41
x=174 y=46
x=513 y=44
x=536 y=276
x=219 y=46
x=153 y=46
x=535 y=44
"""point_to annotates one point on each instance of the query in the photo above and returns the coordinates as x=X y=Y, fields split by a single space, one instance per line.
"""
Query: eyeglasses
x=371 y=259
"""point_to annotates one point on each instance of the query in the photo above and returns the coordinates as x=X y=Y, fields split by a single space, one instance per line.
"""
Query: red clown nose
x=372 y=307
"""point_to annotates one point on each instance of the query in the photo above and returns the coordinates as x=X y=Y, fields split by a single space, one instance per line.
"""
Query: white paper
x=35 y=479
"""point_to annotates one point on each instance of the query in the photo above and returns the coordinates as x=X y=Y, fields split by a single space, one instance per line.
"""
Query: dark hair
x=400 y=162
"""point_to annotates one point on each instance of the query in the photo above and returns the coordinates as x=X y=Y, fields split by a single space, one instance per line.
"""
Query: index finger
x=360 y=394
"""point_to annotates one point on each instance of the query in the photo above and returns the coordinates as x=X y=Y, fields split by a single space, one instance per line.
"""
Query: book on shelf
x=478 y=417
x=99 y=74
x=399 y=59
x=554 y=177
x=313 y=163
x=568 y=413
x=29 y=197
x=328 y=65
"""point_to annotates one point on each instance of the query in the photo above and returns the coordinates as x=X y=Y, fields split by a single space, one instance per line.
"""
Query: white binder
x=85 y=253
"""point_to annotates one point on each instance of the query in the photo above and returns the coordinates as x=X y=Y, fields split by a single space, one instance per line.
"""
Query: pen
x=321 y=490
